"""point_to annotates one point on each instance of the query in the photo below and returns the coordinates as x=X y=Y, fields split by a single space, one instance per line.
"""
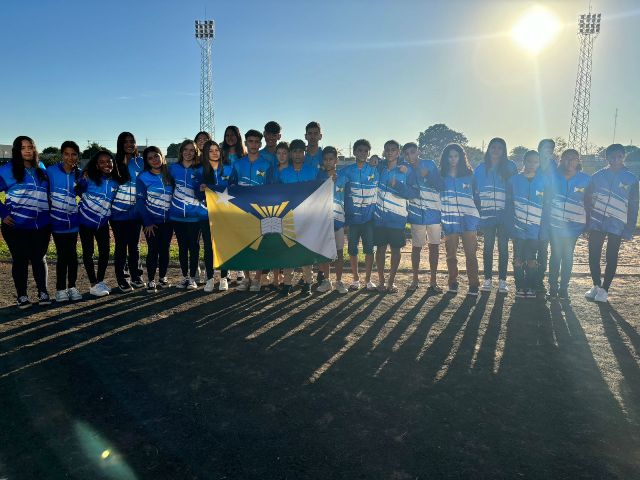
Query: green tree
x=50 y=156
x=517 y=154
x=91 y=150
x=475 y=155
x=633 y=154
x=432 y=141
x=172 y=150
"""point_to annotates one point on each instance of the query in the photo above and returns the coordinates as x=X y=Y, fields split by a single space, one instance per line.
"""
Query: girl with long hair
x=232 y=146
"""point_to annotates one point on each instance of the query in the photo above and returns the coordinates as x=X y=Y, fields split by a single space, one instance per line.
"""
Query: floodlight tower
x=205 y=33
x=588 y=30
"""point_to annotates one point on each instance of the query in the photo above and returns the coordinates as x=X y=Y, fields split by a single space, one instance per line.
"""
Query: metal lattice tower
x=205 y=33
x=588 y=30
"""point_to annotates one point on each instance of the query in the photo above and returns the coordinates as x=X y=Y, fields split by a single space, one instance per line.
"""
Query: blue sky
x=373 y=69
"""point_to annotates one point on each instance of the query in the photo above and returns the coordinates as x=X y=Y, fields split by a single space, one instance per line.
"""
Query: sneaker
x=487 y=285
x=453 y=288
x=531 y=293
x=325 y=286
x=163 y=283
x=243 y=286
x=182 y=284
x=151 y=287
x=473 y=291
x=137 y=283
x=521 y=293
x=62 y=296
x=239 y=277
x=44 y=299
x=320 y=277
x=192 y=284
x=255 y=287
x=563 y=293
x=125 y=287
x=355 y=285
x=341 y=288
x=602 y=295
x=553 y=293
x=502 y=286
x=371 y=286
x=224 y=285
x=23 y=302
x=306 y=289
x=74 y=294
x=591 y=294
x=286 y=290
x=210 y=285
x=99 y=290
x=434 y=290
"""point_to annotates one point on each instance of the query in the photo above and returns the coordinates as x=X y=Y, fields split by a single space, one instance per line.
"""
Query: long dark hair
x=463 y=168
x=208 y=175
x=565 y=157
x=240 y=150
x=503 y=163
x=17 y=162
x=76 y=170
x=93 y=172
x=164 y=169
x=121 y=168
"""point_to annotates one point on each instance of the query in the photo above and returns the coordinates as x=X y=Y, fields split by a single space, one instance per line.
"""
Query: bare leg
x=380 y=258
x=434 y=253
x=395 y=261
x=415 y=261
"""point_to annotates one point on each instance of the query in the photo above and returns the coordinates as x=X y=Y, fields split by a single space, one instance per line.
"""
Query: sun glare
x=536 y=29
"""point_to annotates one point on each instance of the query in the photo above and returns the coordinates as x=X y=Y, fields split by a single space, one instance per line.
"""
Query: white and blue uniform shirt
x=360 y=193
x=291 y=175
x=314 y=160
x=249 y=174
x=270 y=157
x=526 y=205
x=490 y=191
x=459 y=212
x=25 y=201
x=124 y=205
x=614 y=201
x=95 y=205
x=62 y=198
x=567 y=211
x=391 y=204
x=220 y=180
x=185 y=203
x=425 y=210
x=153 y=198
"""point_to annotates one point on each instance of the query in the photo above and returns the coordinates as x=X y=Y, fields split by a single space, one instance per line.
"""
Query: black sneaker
x=163 y=283
x=320 y=277
x=137 y=283
x=453 y=288
x=125 y=287
x=151 y=287
x=562 y=293
x=286 y=290
x=23 y=302
x=473 y=291
x=307 y=289
x=434 y=290
x=44 y=299
x=553 y=293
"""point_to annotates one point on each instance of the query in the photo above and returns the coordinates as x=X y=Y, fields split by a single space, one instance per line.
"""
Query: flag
x=272 y=226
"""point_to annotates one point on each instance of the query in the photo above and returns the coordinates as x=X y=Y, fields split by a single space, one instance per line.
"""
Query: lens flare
x=536 y=29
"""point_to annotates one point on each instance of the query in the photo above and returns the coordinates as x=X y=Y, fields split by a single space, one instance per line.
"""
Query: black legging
x=67 y=259
x=158 y=253
x=208 y=250
x=102 y=239
x=596 y=242
x=28 y=246
x=126 y=234
x=188 y=235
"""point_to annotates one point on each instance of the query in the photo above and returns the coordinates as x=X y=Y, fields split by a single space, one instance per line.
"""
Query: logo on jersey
x=465 y=186
x=623 y=186
x=260 y=173
x=371 y=177
x=539 y=194
x=578 y=189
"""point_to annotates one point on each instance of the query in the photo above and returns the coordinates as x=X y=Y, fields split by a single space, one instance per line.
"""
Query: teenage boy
x=360 y=187
x=548 y=168
x=397 y=183
x=614 y=213
x=251 y=170
x=297 y=172
x=313 y=135
x=424 y=215
x=272 y=134
x=329 y=162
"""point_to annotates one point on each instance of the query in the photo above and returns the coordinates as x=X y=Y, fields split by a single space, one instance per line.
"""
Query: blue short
x=362 y=231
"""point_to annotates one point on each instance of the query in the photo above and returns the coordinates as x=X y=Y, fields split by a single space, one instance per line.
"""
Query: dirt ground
x=362 y=386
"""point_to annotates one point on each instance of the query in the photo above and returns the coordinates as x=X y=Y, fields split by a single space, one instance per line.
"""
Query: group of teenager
x=549 y=202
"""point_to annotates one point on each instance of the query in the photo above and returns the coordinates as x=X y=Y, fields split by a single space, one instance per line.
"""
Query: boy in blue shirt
x=272 y=134
x=313 y=135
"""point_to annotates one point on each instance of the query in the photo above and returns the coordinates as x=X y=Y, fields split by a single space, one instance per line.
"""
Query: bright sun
x=536 y=29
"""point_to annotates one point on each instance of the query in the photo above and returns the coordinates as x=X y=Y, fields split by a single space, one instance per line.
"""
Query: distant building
x=5 y=152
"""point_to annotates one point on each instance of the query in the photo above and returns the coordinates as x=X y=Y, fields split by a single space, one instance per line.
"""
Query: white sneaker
x=209 y=287
x=62 y=296
x=371 y=286
x=602 y=295
x=341 y=288
x=243 y=286
x=182 y=284
x=74 y=294
x=355 y=285
x=192 y=284
x=152 y=287
x=502 y=286
x=255 y=287
x=224 y=285
x=591 y=294
x=487 y=285
x=99 y=290
x=105 y=287
x=325 y=286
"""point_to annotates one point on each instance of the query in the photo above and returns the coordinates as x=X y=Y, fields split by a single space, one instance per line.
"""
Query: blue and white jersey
x=314 y=160
x=124 y=205
x=220 y=182
x=526 y=205
x=338 y=198
x=614 y=201
x=270 y=157
x=425 y=210
x=459 y=211
x=360 y=193
x=153 y=198
x=291 y=175
x=490 y=192
x=391 y=204
x=95 y=205
x=233 y=158
x=568 y=213
x=186 y=205
x=273 y=175
x=62 y=198
x=25 y=201
x=249 y=174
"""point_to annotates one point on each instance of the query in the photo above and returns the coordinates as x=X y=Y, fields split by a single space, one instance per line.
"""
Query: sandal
x=413 y=287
